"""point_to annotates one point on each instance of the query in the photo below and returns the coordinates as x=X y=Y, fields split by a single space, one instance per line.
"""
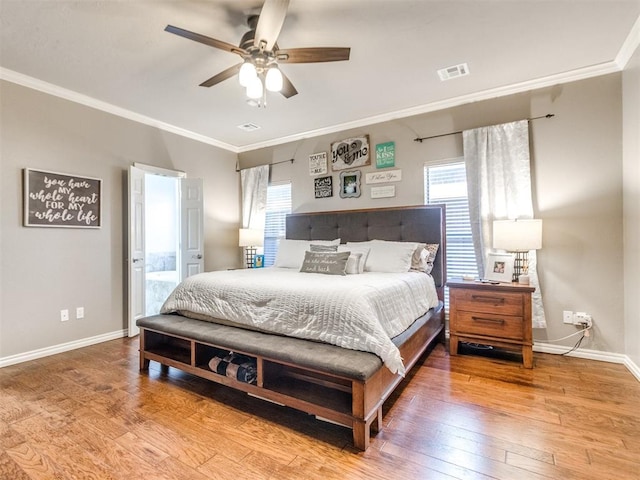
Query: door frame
x=134 y=309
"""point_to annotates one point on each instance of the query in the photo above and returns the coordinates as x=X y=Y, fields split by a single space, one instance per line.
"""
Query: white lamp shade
x=255 y=89
x=251 y=237
x=247 y=73
x=517 y=235
x=273 y=80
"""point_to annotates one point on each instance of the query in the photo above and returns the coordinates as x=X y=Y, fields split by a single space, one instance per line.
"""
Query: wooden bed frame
x=352 y=398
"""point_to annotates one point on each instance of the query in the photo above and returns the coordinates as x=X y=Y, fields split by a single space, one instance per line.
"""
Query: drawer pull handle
x=488 y=299
x=488 y=320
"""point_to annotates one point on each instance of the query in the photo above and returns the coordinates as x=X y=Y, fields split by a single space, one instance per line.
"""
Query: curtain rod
x=274 y=163
x=548 y=115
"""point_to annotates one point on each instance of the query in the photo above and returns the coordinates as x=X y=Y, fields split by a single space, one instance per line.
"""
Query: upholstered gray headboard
x=424 y=223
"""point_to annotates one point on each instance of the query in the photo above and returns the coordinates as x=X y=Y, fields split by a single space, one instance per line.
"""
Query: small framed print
x=258 y=261
x=499 y=267
x=350 y=184
x=323 y=187
x=318 y=163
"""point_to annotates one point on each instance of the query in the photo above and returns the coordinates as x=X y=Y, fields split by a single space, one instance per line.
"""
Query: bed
x=340 y=377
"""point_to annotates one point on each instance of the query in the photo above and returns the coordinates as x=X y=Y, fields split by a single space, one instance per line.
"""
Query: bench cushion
x=351 y=364
x=322 y=357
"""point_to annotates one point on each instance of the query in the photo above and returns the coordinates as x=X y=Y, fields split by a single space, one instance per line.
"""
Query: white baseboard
x=590 y=355
x=63 y=347
x=105 y=337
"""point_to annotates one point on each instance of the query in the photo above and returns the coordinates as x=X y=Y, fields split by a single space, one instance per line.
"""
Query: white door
x=191 y=227
x=136 y=254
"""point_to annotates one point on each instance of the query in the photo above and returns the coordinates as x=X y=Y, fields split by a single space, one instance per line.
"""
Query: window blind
x=278 y=207
x=446 y=183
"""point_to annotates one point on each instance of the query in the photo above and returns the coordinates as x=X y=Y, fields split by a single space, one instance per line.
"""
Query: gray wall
x=631 y=176
x=577 y=163
x=577 y=170
x=44 y=270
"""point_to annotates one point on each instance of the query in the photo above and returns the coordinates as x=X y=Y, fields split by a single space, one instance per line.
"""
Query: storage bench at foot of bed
x=343 y=386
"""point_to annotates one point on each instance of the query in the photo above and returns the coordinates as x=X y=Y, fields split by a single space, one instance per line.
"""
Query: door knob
x=137 y=260
x=199 y=256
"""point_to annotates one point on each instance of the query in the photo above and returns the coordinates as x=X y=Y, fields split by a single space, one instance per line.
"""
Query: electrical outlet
x=567 y=316
x=80 y=312
x=64 y=315
x=582 y=318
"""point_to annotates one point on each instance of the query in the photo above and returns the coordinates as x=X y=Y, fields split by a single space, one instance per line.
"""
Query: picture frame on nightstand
x=499 y=267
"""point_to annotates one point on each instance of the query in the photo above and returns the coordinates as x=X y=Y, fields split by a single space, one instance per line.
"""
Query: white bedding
x=359 y=312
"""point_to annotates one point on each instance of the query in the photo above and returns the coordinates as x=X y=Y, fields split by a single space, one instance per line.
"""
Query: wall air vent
x=248 y=127
x=453 y=72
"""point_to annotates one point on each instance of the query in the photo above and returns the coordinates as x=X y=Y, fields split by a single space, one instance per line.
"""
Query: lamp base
x=520 y=266
x=250 y=257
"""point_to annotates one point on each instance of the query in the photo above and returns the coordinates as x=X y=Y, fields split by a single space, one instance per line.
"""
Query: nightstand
x=497 y=315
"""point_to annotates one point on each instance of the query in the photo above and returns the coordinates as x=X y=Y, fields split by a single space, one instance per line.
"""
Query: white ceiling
x=115 y=55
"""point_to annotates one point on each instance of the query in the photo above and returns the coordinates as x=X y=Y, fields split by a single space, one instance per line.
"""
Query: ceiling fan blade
x=212 y=42
x=312 y=55
x=270 y=23
x=222 y=76
x=288 y=90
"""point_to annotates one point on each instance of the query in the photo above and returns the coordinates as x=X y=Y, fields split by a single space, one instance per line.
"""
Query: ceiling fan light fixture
x=273 y=80
x=247 y=73
x=255 y=89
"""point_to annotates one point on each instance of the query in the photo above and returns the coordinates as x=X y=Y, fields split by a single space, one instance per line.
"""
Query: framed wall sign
x=386 y=155
x=318 y=163
x=386 y=191
x=350 y=153
x=350 y=184
x=384 y=177
x=59 y=200
x=323 y=187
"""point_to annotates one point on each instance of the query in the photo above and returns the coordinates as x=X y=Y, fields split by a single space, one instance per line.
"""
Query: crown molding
x=629 y=46
x=565 y=77
x=56 y=91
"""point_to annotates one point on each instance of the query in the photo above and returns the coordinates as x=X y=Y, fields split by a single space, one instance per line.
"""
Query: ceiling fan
x=261 y=55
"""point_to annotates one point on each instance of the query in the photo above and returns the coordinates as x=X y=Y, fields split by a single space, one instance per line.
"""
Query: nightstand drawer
x=490 y=325
x=490 y=301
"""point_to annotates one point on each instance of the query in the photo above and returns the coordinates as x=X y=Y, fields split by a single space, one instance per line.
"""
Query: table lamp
x=519 y=237
x=250 y=238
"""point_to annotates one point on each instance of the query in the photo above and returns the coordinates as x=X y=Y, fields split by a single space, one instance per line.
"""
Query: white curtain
x=499 y=187
x=254 y=183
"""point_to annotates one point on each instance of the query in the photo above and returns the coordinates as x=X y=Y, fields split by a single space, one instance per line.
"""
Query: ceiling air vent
x=453 y=72
x=248 y=127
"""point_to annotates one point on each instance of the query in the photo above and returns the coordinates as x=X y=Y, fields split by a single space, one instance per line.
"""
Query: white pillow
x=388 y=256
x=357 y=259
x=291 y=252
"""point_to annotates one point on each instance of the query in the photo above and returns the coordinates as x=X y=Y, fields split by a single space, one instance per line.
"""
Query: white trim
x=165 y=172
x=56 y=91
x=632 y=367
x=590 y=355
x=63 y=347
x=565 y=77
x=629 y=46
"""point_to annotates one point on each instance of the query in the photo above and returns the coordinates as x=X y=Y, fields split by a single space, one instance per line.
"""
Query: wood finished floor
x=89 y=414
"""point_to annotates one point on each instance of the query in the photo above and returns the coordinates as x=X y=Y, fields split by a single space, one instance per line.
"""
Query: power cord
x=584 y=331
x=575 y=347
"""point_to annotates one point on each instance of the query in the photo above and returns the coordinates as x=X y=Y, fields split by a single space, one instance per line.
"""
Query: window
x=278 y=207
x=447 y=183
